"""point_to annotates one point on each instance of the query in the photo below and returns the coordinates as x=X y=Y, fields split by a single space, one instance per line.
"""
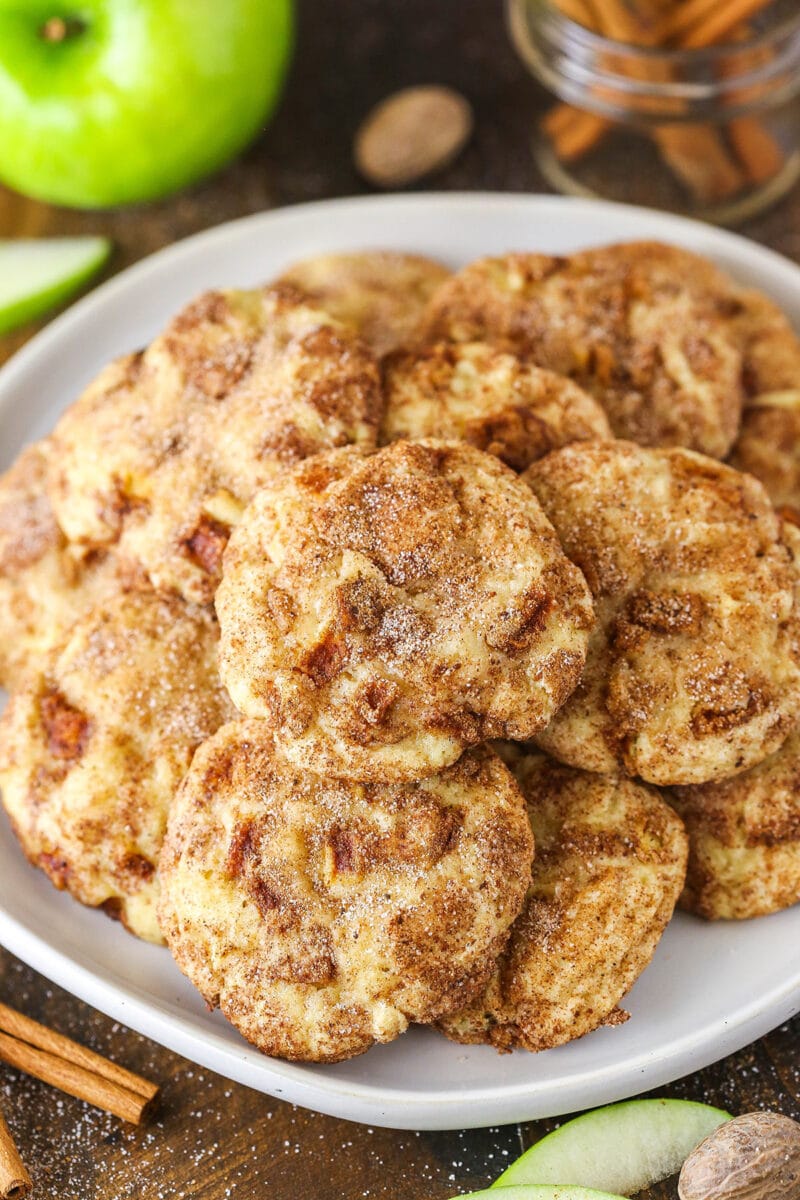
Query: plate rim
x=404 y=1108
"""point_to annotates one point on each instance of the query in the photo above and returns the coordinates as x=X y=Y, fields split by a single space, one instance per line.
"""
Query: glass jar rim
x=582 y=65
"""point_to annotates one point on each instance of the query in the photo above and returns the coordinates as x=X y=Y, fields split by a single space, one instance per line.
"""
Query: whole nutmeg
x=752 y=1157
x=412 y=133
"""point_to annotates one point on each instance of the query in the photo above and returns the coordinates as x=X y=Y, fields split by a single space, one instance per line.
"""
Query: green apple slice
x=622 y=1148
x=36 y=274
x=543 y=1192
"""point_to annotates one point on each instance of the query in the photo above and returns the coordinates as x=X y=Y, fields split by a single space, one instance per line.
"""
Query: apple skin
x=139 y=98
x=37 y=275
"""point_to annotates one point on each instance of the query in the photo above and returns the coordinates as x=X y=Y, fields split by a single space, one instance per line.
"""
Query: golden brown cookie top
x=323 y=916
x=94 y=745
x=609 y=867
x=488 y=397
x=380 y=293
x=693 y=671
x=164 y=450
x=383 y=611
x=641 y=326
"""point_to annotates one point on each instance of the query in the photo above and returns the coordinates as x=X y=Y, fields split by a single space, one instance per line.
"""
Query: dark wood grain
x=213 y=1139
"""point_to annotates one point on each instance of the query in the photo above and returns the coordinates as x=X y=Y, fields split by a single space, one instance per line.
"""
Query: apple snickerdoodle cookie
x=94 y=745
x=45 y=584
x=380 y=293
x=609 y=867
x=744 y=839
x=488 y=397
x=693 y=671
x=643 y=327
x=384 y=611
x=163 y=451
x=322 y=916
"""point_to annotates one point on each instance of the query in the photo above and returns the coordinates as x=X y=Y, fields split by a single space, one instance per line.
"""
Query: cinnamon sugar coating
x=94 y=745
x=384 y=611
x=488 y=397
x=642 y=326
x=380 y=293
x=609 y=867
x=693 y=670
x=744 y=839
x=45 y=584
x=324 y=916
x=163 y=451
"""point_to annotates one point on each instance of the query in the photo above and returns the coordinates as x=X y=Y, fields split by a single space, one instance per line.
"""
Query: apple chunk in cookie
x=239 y=387
x=384 y=611
x=322 y=916
x=610 y=864
x=94 y=745
x=693 y=671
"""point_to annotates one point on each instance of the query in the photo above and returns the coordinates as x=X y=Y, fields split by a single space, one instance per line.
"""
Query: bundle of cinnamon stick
x=713 y=162
x=57 y=1060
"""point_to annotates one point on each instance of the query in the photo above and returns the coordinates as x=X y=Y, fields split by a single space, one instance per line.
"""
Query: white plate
x=710 y=989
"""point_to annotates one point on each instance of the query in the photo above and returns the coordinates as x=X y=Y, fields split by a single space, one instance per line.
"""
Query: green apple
x=106 y=102
x=37 y=274
x=548 y=1192
x=623 y=1148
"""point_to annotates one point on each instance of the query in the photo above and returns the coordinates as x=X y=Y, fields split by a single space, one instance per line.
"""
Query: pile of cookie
x=402 y=646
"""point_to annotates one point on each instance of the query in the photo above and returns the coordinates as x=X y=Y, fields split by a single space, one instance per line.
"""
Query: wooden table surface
x=214 y=1139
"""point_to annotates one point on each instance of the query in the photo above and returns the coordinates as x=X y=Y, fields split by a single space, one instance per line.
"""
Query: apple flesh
x=37 y=274
x=106 y=102
x=622 y=1148
x=546 y=1192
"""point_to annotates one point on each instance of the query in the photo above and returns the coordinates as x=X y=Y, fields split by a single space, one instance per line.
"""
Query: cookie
x=693 y=671
x=643 y=327
x=93 y=747
x=164 y=450
x=609 y=867
x=768 y=445
x=384 y=611
x=45 y=584
x=744 y=839
x=488 y=397
x=380 y=293
x=324 y=916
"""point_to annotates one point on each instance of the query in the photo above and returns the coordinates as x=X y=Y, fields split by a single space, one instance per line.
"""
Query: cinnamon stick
x=573 y=138
x=699 y=157
x=57 y=1060
x=698 y=23
x=616 y=21
x=758 y=151
x=692 y=24
x=15 y=1182
x=579 y=11
x=756 y=148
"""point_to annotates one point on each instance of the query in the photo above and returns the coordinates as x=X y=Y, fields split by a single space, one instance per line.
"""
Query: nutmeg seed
x=412 y=133
x=753 y=1157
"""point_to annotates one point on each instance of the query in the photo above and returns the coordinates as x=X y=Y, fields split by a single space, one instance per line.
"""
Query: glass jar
x=713 y=130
